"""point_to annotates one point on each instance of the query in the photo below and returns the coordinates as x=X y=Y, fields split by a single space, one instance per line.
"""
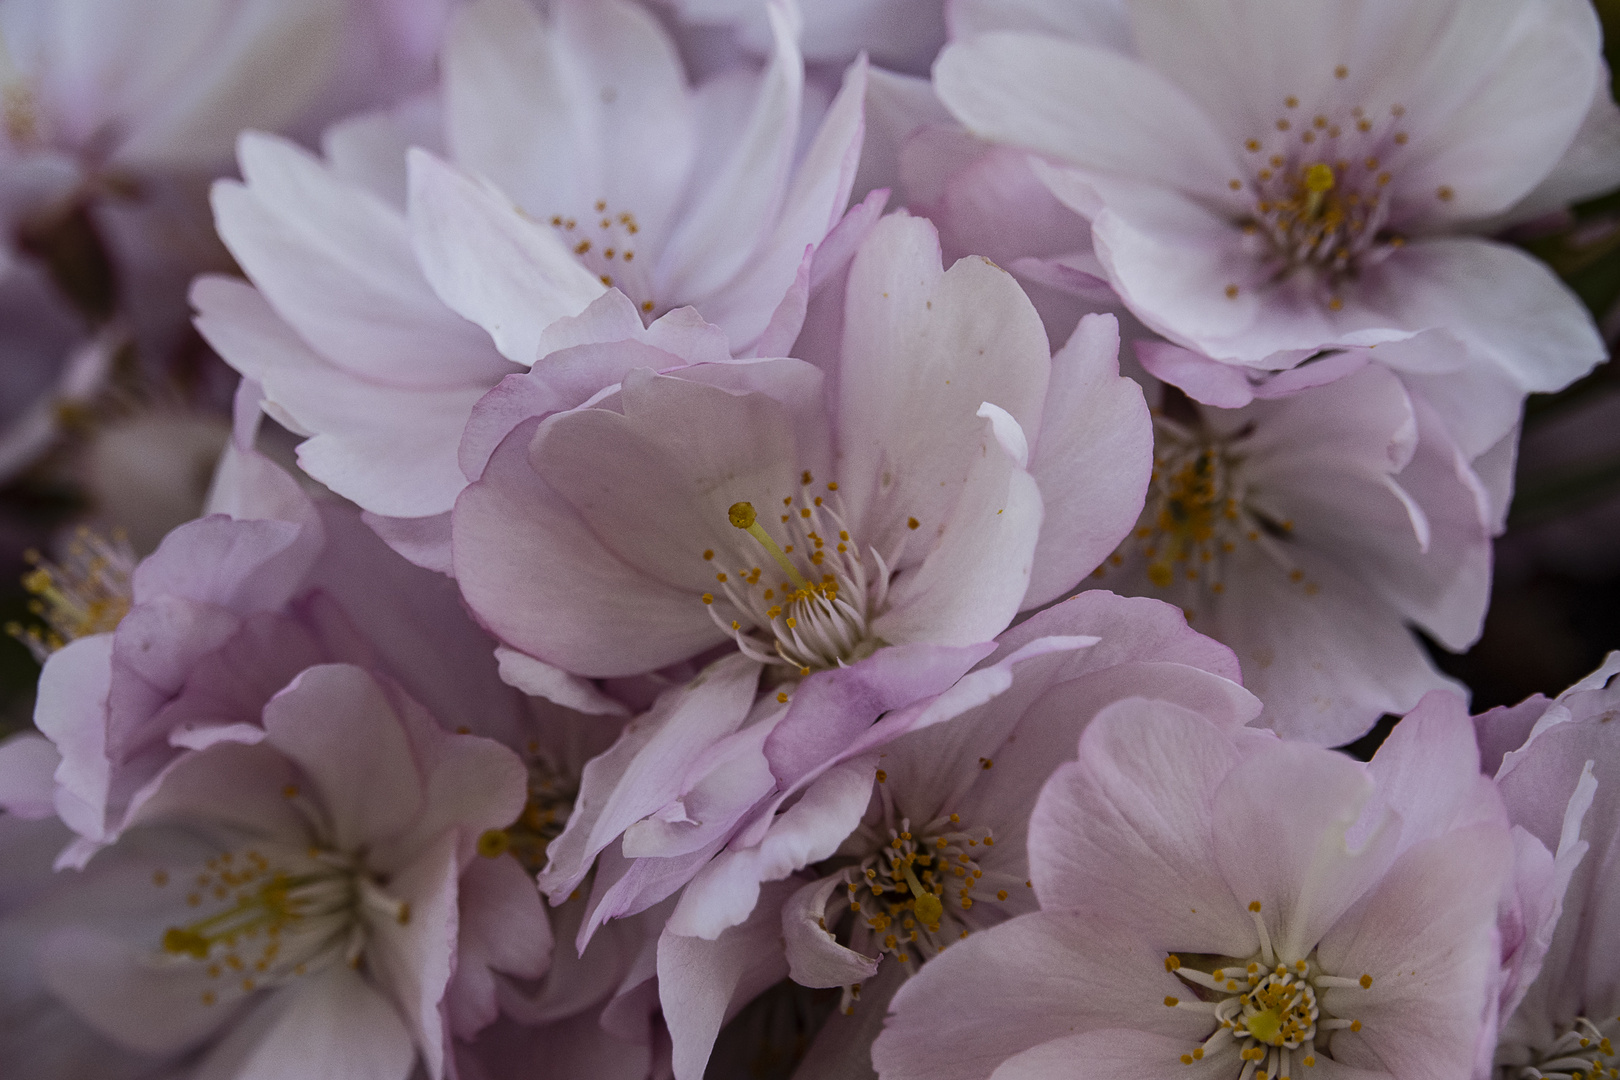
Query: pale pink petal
x=1128 y=828
x=1500 y=302
x=1112 y=1051
x=503 y=930
x=369 y=150
x=511 y=521
x=540 y=679
x=1427 y=771
x=390 y=448
x=736 y=203
x=814 y=203
x=117 y=990
x=71 y=710
x=336 y=263
x=973 y=581
x=1092 y=460
x=643 y=770
x=814 y=956
x=922 y=350
x=1504 y=92
x=830 y=709
x=332 y=1024
x=701 y=984
x=726 y=891
x=491 y=264
x=506 y=70
x=1022 y=89
x=1424 y=934
x=232 y=786
x=336 y=723
x=1030 y=980
x=412 y=958
x=1307 y=871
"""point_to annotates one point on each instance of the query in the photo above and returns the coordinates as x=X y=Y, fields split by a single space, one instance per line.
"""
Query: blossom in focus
x=1308 y=530
x=300 y=894
x=1221 y=902
x=946 y=474
x=1555 y=764
x=608 y=172
x=1264 y=181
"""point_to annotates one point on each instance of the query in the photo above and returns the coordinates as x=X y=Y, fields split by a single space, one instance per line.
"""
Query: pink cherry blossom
x=933 y=508
x=1222 y=902
x=1261 y=198
x=1308 y=529
x=301 y=893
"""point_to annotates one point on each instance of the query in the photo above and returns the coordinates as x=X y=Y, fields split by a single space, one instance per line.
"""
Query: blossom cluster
x=825 y=539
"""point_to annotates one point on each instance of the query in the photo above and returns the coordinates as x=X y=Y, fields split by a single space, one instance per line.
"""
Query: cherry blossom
x=301 y=892
x=1313 y=179
x=1308 y=530
x=1186 y=924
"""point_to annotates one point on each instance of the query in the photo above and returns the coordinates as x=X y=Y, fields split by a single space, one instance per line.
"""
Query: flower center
x=817 y=614
x=914 y=891
x=1200 y=509
x=1268 y=1005
x=1583 y=1052
x=276 y=916
x=552 y=792
x=88 y=593
x=1319 y=180
x=605 y=241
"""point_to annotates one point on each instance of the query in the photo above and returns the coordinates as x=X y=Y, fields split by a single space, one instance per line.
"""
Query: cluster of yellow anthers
x=612 y=239
x=1581 y=1053
x=1318 y=187
x=278 y=916
x=87 y=593
x=1199 y=510
x=819 y=615
x=552 y=793
x=1269 y=1007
